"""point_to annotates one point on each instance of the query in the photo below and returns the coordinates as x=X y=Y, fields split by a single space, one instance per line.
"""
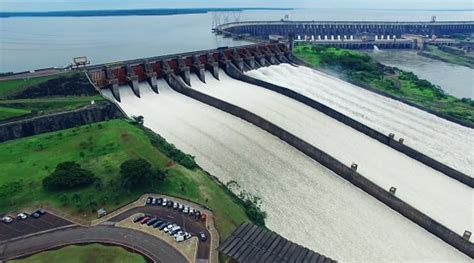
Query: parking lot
x=171 y=215
x=30 y=225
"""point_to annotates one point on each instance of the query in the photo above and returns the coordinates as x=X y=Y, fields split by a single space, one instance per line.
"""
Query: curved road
x=152 y=247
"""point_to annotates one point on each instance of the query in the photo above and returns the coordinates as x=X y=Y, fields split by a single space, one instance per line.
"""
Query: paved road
x=185 y=221
x=154 y=248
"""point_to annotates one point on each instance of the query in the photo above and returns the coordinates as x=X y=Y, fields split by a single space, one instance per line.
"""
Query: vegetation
x=360 y=69
x=42 y=95
x=138 y=173
x=435 y=52
x=84 y=254
x=101 y=148
x=69 y=175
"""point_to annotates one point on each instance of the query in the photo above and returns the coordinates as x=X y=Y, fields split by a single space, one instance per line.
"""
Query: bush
x=68 y=175
x=138 y=172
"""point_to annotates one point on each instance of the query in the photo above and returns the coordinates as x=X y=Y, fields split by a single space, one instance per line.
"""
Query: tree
x=68 y=175
x=138 y=172
x=138 y=120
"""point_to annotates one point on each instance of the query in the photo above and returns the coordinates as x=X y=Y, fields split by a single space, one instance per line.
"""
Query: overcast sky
x=45 y=5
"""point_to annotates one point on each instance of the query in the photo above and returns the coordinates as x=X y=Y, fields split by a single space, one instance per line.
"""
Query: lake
x=33 y=43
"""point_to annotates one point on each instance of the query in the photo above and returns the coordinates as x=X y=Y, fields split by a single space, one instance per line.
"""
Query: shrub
x=138 y=172
x=68 y=175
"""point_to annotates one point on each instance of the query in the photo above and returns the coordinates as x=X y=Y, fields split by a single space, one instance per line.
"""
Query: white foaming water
x=445 y=141
x=433 y=193
x=305 y=202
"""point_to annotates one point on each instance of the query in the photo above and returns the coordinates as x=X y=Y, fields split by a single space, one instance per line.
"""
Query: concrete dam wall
x=322 y=29
x=336 y=218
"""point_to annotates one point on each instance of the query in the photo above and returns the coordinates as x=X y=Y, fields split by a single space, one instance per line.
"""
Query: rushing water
x=445 y=141
x=443 y=199
x=305 y=202
x=454 y=79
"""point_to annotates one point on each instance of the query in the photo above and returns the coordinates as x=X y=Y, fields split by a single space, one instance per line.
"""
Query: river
x=453 y=79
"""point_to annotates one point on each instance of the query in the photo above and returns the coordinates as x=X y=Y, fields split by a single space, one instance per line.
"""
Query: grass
x=358 y=68
x=436 y=53
x=7 y=113
x=101 y=148
x=11 y=87
x=94 y=253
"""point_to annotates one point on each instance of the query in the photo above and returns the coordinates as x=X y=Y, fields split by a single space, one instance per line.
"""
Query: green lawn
x=101 y=148
x=6 y=113
x=94 y=253
x=10 y=87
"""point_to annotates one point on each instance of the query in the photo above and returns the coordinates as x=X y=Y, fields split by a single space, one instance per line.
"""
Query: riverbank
x=360 y=69
x=437 y=53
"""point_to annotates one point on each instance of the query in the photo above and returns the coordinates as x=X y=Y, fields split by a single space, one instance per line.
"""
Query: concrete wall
x=58 y=121
x=334 y=165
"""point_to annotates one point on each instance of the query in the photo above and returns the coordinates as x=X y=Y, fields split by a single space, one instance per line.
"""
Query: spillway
x=305 y=202
x=445 y=141
x=433 y=193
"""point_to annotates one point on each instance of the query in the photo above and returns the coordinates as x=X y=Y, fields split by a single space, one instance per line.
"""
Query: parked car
x=165 y=202
x=38 y=213
x=202 y=236
x=163 y=225
x=149 y=200
x=186 y=210
x=168 y=228
x=174 y=230
x=159 y=200
x=138 y=218
x=157 y=223
x=191 y=211
x=180 y=238
x=187 y=235
x=169 y=204
x=7 y=219
x=145 y=219
x=175 y=205
x=151 y=221
x=197 y=215
x=153 y=201
x=22 y=216
x=181 y=207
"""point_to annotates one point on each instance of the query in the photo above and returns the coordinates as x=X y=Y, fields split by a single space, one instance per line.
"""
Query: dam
x=427 y=192
x=326 y=212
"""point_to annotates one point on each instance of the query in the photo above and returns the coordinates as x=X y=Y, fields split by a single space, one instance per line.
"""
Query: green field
x=7 y=113
x=436 y=53
x=10 y=87
x=101 y=148
x=15 y=101
x=94 y=253
x=360 y=69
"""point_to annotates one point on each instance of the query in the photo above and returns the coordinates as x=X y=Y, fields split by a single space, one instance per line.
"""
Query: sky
x=51 y=5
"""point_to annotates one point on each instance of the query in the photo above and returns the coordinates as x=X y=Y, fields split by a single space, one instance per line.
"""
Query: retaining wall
x=334 y=165
x=412 y=153
x=57 y=121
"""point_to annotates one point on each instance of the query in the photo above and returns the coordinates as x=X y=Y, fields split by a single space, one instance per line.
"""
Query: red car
x=145 y=219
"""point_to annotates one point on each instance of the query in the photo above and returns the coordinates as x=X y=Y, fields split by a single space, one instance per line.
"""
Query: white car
x=7 y=219
x=165 y=201
x=186 y=210
x=22 y=216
